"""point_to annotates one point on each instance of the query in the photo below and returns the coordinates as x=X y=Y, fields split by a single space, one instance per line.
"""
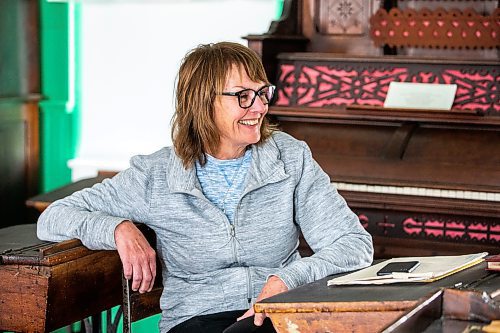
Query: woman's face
x=238 y=127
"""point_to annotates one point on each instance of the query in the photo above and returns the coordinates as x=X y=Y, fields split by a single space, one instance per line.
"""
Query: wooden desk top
x=316 y=307
x=41 y=201
x=44 y=285
x=17 y=236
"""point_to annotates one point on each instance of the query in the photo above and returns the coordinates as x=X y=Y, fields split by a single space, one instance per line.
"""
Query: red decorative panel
x=435 y=28
x=325 y=83
x=461 y=229
x=364 y=220
x=452 y=230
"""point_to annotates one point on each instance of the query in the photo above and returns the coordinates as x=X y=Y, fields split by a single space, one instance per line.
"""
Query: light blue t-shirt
x=223 y=181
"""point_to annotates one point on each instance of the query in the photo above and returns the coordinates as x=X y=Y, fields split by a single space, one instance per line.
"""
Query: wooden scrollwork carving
x=435 y=28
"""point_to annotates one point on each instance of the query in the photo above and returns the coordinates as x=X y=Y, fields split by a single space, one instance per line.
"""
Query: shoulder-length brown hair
x=202 y=76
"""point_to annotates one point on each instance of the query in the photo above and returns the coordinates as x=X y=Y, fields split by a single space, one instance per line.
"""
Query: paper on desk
x=430 y=269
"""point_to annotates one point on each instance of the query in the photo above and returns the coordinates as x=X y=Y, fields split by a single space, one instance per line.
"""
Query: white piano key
x=390 y=189
x=433 y=192
x=407 y=190
x=339 y=186
x=384 y=189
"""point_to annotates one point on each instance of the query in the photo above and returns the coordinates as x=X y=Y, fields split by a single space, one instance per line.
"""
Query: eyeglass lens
x=247 y=97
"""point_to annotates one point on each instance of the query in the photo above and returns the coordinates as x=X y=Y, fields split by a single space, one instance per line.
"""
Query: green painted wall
x=279 y=8
x=59 y=108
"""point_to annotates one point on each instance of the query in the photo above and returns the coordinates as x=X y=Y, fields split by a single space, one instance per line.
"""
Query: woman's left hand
x=273 y=286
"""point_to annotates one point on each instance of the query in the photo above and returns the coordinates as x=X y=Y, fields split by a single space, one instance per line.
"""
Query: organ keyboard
x=420 y=191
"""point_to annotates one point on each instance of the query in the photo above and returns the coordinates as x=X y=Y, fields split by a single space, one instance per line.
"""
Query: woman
x=227 y=202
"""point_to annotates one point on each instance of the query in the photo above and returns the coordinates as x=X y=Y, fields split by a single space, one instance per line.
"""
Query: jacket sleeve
x=332 y=230
x=92 y=214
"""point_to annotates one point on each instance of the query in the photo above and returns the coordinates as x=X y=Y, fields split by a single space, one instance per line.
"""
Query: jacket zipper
x=249 y=287
x=233 y=232
x=233 y=241
x=247 y=269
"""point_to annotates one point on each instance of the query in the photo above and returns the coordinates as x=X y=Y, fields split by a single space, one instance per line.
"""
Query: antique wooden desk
x=318 y=308
x=45 y=285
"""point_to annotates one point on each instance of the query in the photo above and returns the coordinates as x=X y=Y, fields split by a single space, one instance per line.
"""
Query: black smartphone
x=399 y=267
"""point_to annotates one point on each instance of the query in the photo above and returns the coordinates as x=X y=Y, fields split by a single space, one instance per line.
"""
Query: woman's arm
x=331 y=229
x=92 y=214
x=101 y=218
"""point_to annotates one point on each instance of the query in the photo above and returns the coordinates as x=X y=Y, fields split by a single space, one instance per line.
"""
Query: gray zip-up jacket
x=208 y=264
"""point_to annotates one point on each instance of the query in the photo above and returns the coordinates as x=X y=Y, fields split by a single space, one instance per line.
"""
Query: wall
x=130 y=53
x=59 y=107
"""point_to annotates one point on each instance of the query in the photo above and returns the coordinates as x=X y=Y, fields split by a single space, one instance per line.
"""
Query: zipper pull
x=233 y=232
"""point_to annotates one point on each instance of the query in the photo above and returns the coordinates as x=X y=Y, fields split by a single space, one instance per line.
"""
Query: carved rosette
x=435 y=28
x=342 y=17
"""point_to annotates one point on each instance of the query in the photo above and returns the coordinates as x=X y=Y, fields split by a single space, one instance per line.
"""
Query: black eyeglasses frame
x=257 y=93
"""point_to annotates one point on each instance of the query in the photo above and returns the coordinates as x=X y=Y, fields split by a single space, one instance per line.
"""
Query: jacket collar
x=266 y=167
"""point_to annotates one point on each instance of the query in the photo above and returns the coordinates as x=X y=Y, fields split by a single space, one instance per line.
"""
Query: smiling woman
x=220 y=126
x=227 y=203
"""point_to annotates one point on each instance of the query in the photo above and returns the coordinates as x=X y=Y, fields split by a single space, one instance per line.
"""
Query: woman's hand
x=273 y=286
x=137 y=256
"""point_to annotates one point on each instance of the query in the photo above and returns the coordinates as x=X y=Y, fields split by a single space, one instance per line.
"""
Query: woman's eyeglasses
x=246 y=97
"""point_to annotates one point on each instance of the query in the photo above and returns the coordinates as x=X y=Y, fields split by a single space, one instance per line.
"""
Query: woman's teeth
x=249 y=122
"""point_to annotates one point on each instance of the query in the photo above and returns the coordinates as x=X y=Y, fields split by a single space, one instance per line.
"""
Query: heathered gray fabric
x=223 y=181
x=205 y=268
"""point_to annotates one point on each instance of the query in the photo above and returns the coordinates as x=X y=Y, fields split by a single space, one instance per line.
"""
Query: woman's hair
x=202 y=76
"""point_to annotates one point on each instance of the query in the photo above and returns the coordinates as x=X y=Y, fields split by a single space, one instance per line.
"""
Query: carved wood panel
x=325 y=83
x=339 y=26
x=433 y=227
x=435 y=28
x=343 y=17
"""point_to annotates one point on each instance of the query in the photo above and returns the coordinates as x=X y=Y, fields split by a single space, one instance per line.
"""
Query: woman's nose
x=258 y=105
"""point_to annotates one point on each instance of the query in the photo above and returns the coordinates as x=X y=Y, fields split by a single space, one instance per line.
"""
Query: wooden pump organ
x=423 y=182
